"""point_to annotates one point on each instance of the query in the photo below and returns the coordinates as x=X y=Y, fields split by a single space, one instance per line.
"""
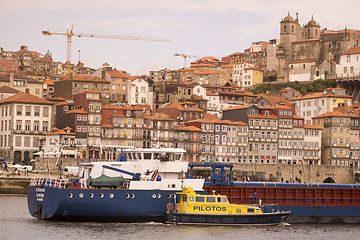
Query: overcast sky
x=195 y=27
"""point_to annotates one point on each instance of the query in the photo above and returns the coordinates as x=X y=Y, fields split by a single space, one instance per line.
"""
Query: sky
x=196 y=28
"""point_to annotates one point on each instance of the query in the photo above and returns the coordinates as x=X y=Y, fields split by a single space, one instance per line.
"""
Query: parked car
x=74 y=171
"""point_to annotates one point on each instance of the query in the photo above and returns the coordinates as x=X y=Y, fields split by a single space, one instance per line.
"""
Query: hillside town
x=209 y=108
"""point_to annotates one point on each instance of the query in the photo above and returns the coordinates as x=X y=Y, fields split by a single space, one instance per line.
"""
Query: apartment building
x=24 y=119
x=336 y=137
x=317 y=103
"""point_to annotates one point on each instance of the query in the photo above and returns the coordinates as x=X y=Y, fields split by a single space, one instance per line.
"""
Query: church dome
x=288 y=18
x=312 y=22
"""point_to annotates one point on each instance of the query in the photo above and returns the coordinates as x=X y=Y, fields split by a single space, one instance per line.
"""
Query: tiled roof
x=106 y=125
x=117 y=74
x=199 y=98
x=210 y=116
x=6 y=78
x=81 y=111
x=6 y=89
x=49 y=82
x=319 y=95
x=181 y=106
x=211 y=93
x=352 y=51
x=60 y=132
x=187 y=128
x=332 y=114
x=273 y=99
x=297 y=117
x=237 y=107
x=253 y=68
x=84 y=78
x=190 y=84
x=271 y=116
x=207 y=71
x=26 y=98
x=309 y=126
x=55 y=99
x=159 y=116
x=218 y=121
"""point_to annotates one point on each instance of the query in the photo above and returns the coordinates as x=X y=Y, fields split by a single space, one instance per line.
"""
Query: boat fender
x=170 y=207
x=177 y=207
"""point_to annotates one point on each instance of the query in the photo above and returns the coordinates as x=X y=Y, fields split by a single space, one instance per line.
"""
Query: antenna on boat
x=182 y=178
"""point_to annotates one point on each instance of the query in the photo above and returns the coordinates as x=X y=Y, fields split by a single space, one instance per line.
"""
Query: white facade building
x=349 y=64
x=24 y=118
x=239 y=72
x=302 y=71
x=139 y=92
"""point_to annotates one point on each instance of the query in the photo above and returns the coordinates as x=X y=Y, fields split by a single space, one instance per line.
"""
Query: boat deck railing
x=49 y=182
x=300 y=201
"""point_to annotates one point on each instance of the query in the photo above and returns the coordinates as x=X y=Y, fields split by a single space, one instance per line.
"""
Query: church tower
x=312 y=29
x=290 y=31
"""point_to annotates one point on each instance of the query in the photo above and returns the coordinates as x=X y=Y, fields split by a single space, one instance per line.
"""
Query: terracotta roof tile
x=332 y=114
x=309 y=126
x=319 y=95
x=237 y=107
x=26 y=98
x=80 y=111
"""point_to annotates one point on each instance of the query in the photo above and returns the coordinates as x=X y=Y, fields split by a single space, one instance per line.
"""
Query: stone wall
x=307 y=173
x=287 y=172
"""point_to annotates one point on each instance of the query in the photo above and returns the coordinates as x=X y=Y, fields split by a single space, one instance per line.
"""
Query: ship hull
x=308 y=203
x=120 y=205
x=227 y=219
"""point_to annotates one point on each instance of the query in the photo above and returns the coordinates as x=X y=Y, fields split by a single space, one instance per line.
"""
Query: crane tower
x=69 y=34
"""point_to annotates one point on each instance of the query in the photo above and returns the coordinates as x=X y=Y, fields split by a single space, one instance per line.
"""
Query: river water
x=16 y=223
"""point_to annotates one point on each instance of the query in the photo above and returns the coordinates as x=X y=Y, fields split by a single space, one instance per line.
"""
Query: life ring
x=170 y=207
x=177 y=207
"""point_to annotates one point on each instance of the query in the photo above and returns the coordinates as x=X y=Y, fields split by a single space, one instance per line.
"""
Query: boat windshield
x=199 y=199
x=222 y=200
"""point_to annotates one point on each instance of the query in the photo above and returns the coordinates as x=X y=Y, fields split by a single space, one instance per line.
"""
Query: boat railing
x=49 y=182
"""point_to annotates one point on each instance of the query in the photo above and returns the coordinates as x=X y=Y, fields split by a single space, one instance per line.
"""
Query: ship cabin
x=191 y=202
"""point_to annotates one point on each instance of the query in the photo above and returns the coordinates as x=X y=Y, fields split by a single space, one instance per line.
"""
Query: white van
x=74 y=171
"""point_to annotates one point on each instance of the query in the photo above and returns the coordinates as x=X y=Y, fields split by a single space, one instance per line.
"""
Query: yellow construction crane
x=69 y=34
x=185 y=56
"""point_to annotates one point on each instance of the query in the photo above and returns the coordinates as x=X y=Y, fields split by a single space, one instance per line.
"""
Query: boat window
x=250 y=210
x=139 y=157
x=191 y=198
x=147 y=156
x=185 y=199
x=222 y=199
x=178 y=156
x=199 y=199
x=156 y=156
x=134 y=156
x=210 y=199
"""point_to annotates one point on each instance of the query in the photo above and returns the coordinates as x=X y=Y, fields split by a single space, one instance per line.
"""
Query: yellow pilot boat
x=188 y=207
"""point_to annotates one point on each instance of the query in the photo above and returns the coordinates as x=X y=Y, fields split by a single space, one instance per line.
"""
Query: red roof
x=26 y=98
x=352 y=51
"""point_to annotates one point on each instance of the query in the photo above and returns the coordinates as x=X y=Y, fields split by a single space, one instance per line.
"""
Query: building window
x=18 y=141
x=27 y=125
x=45 y=126
x=46 y=112
x=36 y=111
x=28 y=111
